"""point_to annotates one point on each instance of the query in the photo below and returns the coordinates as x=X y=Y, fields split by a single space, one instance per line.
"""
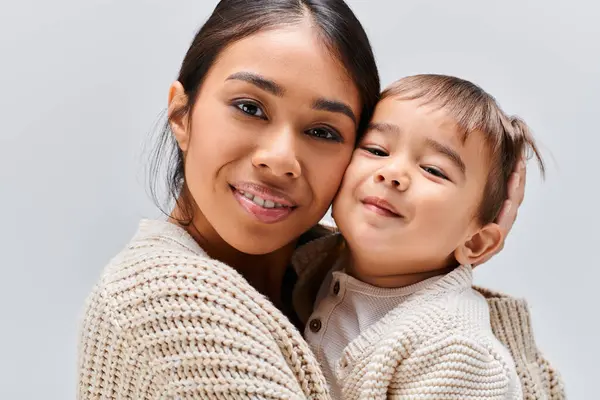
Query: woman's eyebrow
x=276 y=89
x=334 y=106
x=259 y=81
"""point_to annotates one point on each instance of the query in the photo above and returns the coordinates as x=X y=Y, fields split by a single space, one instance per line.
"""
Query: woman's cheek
x=328 y=178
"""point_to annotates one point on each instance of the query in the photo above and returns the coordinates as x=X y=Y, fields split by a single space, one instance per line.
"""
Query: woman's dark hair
x=233 y=20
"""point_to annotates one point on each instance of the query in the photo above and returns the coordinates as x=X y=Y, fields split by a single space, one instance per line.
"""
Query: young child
x=397 y=317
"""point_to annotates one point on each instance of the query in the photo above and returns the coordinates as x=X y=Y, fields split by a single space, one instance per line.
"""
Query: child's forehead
x=416 y=115
x=427 y=123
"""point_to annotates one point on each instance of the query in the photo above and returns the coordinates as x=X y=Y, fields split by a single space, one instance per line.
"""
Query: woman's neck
x=264 y=272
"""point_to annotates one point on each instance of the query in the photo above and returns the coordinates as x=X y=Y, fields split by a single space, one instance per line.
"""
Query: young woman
x=262 y=122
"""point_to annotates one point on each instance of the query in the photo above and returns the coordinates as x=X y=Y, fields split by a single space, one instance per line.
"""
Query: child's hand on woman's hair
x=508 y=213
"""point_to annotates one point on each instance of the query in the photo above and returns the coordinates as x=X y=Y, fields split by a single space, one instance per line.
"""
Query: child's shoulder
x=458 y=321
x=440 y=311
x=464 y=324
x=446 y=333
x=463 y=313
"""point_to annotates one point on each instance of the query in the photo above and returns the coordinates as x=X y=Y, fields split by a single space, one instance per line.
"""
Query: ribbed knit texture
x=511 y=323
x=168 y=322
x=346 y=307
x=435 y=345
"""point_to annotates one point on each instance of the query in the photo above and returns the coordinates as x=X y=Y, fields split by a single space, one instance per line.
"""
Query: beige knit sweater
x=435 y=345
x=168 y=322
x=434 y=340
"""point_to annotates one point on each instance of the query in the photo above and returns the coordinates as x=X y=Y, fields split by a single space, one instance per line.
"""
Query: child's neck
x=358 y=268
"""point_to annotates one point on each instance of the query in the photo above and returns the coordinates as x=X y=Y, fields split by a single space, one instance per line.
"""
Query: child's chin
x=370 y=239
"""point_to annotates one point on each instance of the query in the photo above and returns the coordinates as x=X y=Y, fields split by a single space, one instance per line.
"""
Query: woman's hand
x=508 y=212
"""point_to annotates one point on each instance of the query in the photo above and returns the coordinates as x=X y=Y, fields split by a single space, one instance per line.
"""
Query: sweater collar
x=314 y=260
x=153 y=229
x=460 y=279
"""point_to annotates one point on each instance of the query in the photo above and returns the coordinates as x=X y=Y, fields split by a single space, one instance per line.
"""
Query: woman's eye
x=326 y=134
x=435 y=172
x=376 y=151
x=251 y=109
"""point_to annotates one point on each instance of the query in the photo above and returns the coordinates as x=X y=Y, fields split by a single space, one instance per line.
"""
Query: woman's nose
x=278 y=155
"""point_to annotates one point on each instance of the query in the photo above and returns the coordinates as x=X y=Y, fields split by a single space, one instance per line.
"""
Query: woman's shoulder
x=162 y=303
x=163 y=276
x=158 y=248
x=163 y=262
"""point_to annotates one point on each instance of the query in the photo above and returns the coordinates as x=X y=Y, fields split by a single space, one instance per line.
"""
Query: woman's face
x=268 y=140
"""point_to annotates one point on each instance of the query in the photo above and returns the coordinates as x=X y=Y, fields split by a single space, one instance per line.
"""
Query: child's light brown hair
x=473 y=109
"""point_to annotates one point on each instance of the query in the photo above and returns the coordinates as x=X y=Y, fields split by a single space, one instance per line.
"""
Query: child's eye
x=250 y=108
x=376 y=151
x=435 y=172
x=325 y=134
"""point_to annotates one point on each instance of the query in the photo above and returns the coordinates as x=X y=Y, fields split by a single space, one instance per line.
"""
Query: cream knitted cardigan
x=425 y=351
x=168 y=322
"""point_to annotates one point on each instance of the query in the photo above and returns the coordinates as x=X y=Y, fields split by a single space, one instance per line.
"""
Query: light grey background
x=82 y=83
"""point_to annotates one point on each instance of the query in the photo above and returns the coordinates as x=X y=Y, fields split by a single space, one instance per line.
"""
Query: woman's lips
x=263 y=203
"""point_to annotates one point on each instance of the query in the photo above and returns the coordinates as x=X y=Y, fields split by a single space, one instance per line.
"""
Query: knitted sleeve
x=448 y=367
x=511 y=323
x=452 y=367
x=191 y=332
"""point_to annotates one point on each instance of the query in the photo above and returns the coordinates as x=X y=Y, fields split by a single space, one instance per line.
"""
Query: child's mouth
x=381 y=206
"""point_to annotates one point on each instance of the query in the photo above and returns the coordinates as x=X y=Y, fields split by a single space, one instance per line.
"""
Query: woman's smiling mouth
x=263 y=203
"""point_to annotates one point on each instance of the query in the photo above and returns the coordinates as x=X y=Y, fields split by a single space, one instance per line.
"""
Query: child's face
x=410 y=197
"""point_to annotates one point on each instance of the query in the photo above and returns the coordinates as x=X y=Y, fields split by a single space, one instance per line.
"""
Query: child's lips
x=381 y=207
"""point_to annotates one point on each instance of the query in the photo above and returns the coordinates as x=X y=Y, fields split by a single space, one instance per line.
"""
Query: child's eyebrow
x=448 y=152
x=388 y=128
x=384 y=127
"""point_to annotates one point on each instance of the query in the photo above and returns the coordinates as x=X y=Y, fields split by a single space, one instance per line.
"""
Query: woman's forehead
x=294 y=58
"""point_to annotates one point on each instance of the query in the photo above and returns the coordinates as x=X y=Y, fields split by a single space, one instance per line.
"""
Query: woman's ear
x=178 y=118
x=484 y=242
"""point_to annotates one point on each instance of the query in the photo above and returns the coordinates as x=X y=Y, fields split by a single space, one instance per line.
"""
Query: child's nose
x=395 y=180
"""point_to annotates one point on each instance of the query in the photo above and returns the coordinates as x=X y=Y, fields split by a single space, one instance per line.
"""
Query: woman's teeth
x=260 y=201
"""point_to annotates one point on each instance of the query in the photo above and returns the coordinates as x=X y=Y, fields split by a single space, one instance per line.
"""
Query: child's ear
x=485 y=241
x=178 y=118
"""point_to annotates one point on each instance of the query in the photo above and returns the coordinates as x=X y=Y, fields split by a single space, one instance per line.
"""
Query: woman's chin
x=256 y=243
